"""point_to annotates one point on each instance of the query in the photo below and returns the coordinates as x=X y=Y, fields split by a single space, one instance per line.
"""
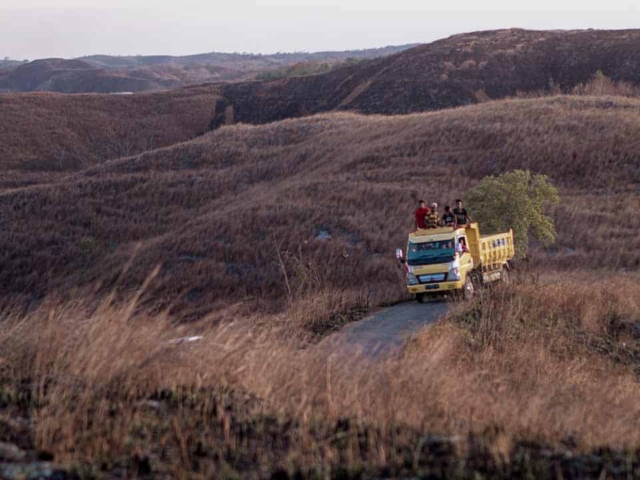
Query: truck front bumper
x=436 y=288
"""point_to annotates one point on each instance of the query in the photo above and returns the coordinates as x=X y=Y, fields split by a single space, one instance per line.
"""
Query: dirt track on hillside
x=383 y=332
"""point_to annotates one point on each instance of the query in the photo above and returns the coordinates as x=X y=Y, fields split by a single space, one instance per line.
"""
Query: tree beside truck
x=455 y=260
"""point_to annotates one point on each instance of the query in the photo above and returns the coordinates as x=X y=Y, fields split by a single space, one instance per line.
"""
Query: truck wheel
x=421 y=297
x=468 y=289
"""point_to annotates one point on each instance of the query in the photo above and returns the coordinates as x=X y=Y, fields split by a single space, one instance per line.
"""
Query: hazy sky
x=69 y=28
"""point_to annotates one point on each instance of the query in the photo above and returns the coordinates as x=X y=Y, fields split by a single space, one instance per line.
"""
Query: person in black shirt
x=448 y=218
x=462 y=217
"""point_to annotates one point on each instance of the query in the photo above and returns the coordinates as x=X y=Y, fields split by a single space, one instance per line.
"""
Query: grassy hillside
x=228 y=213
x=43 y=136
x=460 y=70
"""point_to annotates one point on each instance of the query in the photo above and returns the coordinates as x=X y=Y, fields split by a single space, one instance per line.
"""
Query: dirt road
x=383 y=332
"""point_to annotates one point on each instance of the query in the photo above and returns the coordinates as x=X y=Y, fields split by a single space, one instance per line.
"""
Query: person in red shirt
x=421 y=214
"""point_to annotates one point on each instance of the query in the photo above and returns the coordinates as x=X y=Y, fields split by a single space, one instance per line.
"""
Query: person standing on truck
x=462 y=217
x=433 y=218
x=448 y=218
x=421 y=215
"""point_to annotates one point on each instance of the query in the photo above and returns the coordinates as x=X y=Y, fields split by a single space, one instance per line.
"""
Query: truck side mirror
x=399 y=255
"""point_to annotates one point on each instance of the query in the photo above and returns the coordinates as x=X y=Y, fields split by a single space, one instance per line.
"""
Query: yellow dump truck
x=455 y=261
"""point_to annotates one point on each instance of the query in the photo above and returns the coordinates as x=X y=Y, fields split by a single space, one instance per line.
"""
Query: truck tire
x=421 y=297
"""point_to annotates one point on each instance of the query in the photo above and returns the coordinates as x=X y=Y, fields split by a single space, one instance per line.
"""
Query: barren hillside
x=331 y=195
x=460 y=70
x=45 y=135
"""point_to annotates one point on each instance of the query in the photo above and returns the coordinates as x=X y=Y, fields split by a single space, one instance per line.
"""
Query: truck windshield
x=429 y=253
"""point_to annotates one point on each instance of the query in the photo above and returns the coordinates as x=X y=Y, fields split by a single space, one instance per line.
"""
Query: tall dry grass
x=601 y=85
x=598 y=85
x=552 y=363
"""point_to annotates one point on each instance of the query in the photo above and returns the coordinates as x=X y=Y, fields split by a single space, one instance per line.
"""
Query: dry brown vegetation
x=498 y=385
x=265 y=238
x=44 y=136
x=460 y=70
x=597 y=86
x=604 y=86
x=218 y=212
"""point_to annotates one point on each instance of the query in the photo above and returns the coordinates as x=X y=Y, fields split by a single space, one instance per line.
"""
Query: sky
x=31 y=29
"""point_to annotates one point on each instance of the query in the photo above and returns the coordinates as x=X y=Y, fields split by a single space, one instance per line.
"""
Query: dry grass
x=44 y=136
x=218 y=211
x=547 y=363
x=549 y=360
x=598 y=86
x=603 y=86
x=285 y=231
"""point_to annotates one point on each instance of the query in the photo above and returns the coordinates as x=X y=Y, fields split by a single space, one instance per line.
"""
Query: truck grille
x=432 y=278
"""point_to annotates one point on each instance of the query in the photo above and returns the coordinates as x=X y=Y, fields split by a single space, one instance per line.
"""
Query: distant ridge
x=459 y=70
x=110 y=74
x=117 y=61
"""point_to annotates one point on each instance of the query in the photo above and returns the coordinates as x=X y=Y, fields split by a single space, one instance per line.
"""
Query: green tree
x=515 y=200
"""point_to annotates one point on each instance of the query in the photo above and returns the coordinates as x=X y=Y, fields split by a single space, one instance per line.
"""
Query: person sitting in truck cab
x=433 y=219
x=448 y=218
x=421 y=215
x=462 y=246
x=462 y=217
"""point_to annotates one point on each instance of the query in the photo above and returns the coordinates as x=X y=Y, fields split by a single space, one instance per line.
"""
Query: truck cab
x=448 y=260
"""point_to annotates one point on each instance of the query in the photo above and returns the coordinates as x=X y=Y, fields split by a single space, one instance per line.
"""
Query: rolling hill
x=460 y=70
x=330 y=195
x=77 y=76
x=45 y=135
x=167 y=287
x=241 y=61
x=109 y=74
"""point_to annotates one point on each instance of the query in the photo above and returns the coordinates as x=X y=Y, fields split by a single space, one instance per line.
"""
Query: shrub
x=515 y=200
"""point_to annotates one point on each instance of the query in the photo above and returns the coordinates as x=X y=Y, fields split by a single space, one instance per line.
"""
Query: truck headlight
x=411 y=279
x=454 y=273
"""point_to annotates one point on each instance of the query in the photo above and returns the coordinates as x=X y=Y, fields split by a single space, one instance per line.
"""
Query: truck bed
x=490 y=251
